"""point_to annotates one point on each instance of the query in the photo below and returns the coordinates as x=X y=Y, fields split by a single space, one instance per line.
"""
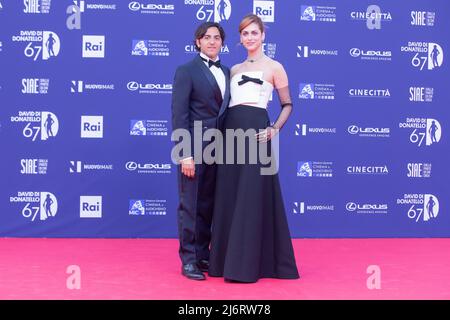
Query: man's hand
x=188 y=167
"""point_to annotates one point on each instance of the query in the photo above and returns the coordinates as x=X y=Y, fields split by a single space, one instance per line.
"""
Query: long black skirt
x=250 y=234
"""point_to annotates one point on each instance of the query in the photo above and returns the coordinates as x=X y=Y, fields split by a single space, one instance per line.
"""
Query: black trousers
x=196 y=205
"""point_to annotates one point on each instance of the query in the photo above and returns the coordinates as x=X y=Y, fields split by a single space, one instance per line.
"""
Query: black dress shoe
x=203 y=265
x=191 y=271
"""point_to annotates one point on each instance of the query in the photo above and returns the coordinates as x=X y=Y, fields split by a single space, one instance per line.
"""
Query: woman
x=250 y=234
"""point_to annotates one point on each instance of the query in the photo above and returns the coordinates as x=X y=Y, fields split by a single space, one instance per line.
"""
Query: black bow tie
x=247 y=79
x=212 y=63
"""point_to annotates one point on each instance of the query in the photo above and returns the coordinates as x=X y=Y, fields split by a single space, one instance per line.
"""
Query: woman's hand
x=267 y=134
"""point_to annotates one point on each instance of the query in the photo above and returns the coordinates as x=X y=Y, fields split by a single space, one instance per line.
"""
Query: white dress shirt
x=217 y=73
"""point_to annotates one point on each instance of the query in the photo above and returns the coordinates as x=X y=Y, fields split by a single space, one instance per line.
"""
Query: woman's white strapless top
x=250 y=93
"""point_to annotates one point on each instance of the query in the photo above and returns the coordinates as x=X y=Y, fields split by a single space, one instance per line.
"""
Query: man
x=200 y=93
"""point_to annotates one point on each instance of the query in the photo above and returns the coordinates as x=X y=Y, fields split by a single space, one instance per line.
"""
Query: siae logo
x=33 y=166
x=30 y=85
x=422 y=18
x=35 y=6
x=421 y=94
x=35 y=86
x=418 y=170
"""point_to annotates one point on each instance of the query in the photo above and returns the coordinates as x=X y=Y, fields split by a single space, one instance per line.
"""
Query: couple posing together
x=231 y=219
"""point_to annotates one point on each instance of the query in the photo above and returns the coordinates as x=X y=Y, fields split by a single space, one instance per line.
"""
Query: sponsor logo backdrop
x=85 y=119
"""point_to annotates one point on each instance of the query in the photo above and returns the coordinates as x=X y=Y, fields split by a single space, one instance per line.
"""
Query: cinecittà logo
x=369 y=93
x=373 y=17
x=367 y=170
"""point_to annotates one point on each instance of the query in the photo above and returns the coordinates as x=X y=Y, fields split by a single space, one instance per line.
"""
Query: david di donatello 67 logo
x=211 y=10
x=38 y=125
x=427 y=55
x=425 y=131
x=421 y=207
x=36 y=205
x=40 y=44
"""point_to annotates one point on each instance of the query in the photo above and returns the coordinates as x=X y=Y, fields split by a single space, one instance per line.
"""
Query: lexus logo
x=134 y=6
x=355 y=52
x=132 y=86
x=351 y=206
x=131 y=166
x=353 y=129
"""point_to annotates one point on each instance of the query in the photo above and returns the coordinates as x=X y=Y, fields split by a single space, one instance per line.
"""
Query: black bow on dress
x=246 y=79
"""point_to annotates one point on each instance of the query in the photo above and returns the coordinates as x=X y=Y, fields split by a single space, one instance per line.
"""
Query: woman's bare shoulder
x=274 y=64
x=235 y=69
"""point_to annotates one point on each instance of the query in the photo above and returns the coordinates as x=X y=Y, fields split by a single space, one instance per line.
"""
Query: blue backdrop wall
x=85 y=91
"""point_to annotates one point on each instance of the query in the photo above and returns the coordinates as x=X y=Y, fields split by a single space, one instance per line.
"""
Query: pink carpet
x=150 y=269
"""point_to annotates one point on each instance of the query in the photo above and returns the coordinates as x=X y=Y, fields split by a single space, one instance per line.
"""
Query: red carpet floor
x=150 y=269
